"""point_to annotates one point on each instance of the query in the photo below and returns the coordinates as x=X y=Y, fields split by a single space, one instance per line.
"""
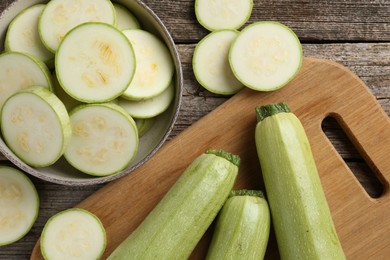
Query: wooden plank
x=313 y=21
x=321 y=87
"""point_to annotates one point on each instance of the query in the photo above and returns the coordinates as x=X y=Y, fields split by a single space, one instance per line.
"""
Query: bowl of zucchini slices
x=89 y=90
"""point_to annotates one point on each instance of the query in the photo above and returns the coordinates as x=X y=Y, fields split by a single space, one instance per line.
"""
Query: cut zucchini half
x=22 y=35
x=95 y=63
x=125 y=19
x=265 y=56
x=211 y=63
x=19 y=71
x=154 y=70
x=149 y=108
x=60 y=16
x=73 y=234
x=104 y=140
x=144 y=125
x=19 y=205
x=223 y=14
x=35 y=125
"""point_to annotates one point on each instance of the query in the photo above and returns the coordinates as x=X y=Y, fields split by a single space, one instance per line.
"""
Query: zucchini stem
x=234 y=159
x=270 y=110
x=253 y=193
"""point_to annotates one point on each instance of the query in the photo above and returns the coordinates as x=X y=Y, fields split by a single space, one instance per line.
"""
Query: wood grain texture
x=314 y=21
x=354 y=33
x=321 y=88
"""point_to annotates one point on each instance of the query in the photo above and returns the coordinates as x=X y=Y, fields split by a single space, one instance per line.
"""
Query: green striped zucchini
x=242 y=227
x=300 y=213
x=177 y=223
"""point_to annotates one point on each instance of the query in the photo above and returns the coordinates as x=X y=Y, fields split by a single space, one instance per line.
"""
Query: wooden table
x=355 y=33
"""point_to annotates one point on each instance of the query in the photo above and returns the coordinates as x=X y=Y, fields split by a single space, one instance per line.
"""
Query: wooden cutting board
x=322 y=88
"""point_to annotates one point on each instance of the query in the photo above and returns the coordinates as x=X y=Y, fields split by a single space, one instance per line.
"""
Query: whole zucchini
x=242 y=227
x=300 y=214
x=175 y=226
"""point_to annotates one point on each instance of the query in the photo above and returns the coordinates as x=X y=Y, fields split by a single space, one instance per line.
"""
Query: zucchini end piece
x=234 y=159
x=253 y=193
x=270 y=110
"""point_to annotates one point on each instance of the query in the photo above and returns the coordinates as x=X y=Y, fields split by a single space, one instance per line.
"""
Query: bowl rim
x=178 y=77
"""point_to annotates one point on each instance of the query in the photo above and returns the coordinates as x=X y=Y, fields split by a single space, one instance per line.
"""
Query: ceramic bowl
x=61 y=172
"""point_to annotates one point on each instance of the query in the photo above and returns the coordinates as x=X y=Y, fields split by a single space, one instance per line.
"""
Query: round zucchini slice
x=265 y=56
x=19 y=71
x=125 y=18
x=22 y=35
x=211 y=63
x=73 y=234
x=19 y=205
x=104 y=140
x=61 y=16
x=154 y=69
x=35 y=126
x=223 y=14
x=149 y=108
x=95 y=63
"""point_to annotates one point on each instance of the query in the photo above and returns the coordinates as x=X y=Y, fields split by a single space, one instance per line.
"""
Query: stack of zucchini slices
x=83 y=80
x=263 y=56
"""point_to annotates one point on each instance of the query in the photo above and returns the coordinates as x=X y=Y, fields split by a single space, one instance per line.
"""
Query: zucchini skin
x=175 y=226
x=242 y=228
x=300 y=213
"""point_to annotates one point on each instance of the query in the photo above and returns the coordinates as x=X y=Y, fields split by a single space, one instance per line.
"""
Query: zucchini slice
x=265 y=56
x=19 y=205
x=69 y=102
x=104 y=139
x=242 y=228
x=125 y=19
x=223 y=14
x=73 y=234
x=301 y=217
x=35 y=126
x=20 y=71
x=154 y=69
x=22 y=35
x=175 y=226
x=60 y=16
x=151 y=107
x=144 y=125
x=95 y=63
x=211 y=63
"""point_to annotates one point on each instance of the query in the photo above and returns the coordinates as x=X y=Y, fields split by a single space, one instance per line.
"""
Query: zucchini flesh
x=301 y=217
x=177 y=223
x=154 y=66
x=125 y=19
x=61 y=16
x=242 y=227
x=95 y=63
x=73 y=234
x=19 y=71
x=104 y=139
x=265 y=56
x=19 y=205
x=223 y=14
x=22 y=35
x=35 y=126
x=149 y=108
x=211 y=63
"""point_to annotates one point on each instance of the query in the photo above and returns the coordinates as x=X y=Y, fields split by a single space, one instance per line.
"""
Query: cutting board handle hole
x=351 y=156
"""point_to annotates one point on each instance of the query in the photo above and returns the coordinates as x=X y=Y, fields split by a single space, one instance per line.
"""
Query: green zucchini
x=300 y=213
x=242 y=227
x=177 y=223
